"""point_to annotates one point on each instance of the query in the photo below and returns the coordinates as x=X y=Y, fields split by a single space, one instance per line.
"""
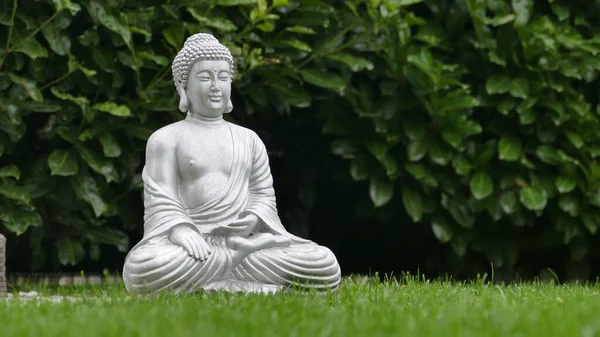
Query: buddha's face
x=209 y=88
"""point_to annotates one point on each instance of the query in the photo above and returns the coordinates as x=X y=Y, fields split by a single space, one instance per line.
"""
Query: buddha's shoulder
x=243 y=130
x=167 y=135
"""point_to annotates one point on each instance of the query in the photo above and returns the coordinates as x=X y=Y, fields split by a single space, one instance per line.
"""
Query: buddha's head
x=202 y=72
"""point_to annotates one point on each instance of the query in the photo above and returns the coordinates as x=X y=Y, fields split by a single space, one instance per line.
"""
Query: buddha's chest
x=208 y=151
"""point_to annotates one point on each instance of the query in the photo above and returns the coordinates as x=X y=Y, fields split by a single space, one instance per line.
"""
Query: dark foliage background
x=447 y=136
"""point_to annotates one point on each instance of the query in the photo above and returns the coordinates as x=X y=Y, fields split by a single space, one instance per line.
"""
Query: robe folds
x=156 y=264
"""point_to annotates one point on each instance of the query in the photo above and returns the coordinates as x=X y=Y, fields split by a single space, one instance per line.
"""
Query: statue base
x=3 y=290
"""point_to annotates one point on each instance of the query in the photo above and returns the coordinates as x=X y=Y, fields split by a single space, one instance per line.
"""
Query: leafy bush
x=483 y=125
x=476 y=118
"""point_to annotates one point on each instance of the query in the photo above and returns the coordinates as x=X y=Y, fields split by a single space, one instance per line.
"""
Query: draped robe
x=156 y=264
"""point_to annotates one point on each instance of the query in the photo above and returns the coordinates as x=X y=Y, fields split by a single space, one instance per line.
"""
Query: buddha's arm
x=262 y=195
x=161 y=166
x=161 y=162
x=261 y=180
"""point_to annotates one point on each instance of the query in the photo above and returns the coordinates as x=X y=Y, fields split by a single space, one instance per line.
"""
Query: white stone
x=28 y=294
x=210 y=220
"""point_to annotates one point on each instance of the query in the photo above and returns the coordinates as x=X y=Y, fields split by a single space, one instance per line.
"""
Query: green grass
x=411 y=308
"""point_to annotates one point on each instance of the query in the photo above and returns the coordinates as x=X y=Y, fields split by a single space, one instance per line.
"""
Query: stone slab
x=2 y=266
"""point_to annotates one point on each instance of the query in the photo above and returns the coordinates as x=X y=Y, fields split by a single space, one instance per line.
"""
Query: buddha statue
x=210 y=218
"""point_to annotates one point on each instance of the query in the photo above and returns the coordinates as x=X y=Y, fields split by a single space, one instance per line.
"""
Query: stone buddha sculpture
x=210 y=220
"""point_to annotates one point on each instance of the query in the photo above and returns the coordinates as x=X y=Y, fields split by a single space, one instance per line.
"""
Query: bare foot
x=282 y=241
x=243 y=247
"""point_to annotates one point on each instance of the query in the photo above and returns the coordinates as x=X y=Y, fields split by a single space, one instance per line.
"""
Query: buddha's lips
x=214 y=97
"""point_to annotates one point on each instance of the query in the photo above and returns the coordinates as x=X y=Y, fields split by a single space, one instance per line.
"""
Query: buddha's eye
x=224 y=78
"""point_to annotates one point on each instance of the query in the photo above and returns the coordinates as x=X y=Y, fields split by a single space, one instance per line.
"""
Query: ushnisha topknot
x=198 y=47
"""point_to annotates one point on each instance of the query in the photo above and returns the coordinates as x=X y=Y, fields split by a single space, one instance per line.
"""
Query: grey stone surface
x=2 y=266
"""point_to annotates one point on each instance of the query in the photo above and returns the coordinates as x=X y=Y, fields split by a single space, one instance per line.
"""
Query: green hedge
x=476 y=118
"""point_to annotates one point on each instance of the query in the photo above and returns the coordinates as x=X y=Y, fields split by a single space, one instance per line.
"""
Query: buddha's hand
x=191 y=241
x=243 y=226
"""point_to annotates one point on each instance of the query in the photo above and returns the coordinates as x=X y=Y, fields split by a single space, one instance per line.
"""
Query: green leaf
x=70 y=251
x=344 y=147
x=424 y=61
x=497 y=85
x=29 y=86
x=591 y=221
x=461 y=213
x=297 y=44
x=509 y=148
x=519 y=88
x=501 y=84
x=15 y=192
x=509 y=201
x=461 y=165
x=280 y=3
x=321 y=79
x=86 y=189
x=441 y=230
x=459 y=102
x=99 y=164
x=293 y=93
x=416 y=149
x=80 y=101
x=110 y=146
x=18 y=219
x=108 y=236
x=63 y=163
x=113 y=109
x=112 y=22
x=359 y=168
x=174 y=36
x=439 y=153
x=74 y=65
x=104 y=58
x=523 y=10
x=459 y=246
x=235 y=2
x=565 y=184
x=417 y=170
x=300 y=30
x=404 y=3
x=381 y=190
x=547 y=154
x=59 y=43
x=482 y=185
x=142 y=132
x=32 y=48
x=575 y=139
x=355 y=63
x=89 y=38
x=413 y=202
x=66 y=4
x=414 y=130
x=453 y=138
x=10 y=171
x=158 y=59
x=560 y=10
x=506 y=106
x=377 y=148
x=221 y=24
x=569 y=204
x=533 y=198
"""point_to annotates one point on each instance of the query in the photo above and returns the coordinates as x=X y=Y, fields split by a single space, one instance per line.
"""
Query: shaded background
x=447 y=137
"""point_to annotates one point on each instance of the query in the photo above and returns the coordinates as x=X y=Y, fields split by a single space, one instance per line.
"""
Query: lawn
x=411 y=308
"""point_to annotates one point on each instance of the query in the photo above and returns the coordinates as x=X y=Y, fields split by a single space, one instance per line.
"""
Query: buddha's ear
x=229 y=107
x=184 y=104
